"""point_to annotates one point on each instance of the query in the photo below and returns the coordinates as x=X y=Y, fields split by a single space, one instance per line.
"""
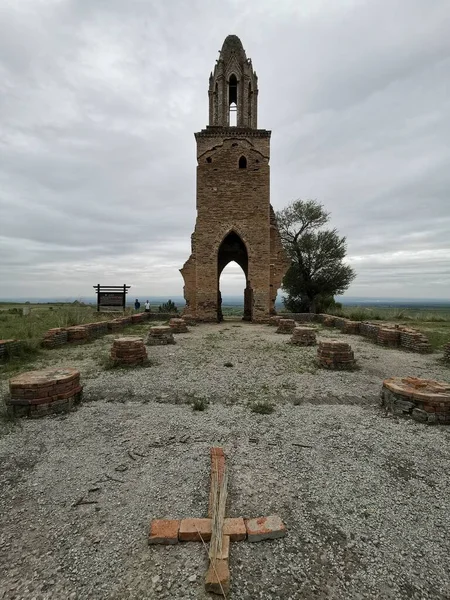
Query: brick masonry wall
x=369 y=330
x=409 y=339
x=447 y=352
x=233 y=199
x=8 y=347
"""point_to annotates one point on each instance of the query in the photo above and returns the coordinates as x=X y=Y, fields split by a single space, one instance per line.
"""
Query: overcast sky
x=99 y=101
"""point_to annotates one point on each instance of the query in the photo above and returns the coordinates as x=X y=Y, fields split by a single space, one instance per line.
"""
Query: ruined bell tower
x=235 y=220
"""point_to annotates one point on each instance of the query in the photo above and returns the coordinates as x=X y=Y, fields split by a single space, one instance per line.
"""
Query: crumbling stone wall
x=233 y=197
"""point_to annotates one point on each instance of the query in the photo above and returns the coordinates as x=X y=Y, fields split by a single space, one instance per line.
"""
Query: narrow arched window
x=232 y=101
x=242 y=162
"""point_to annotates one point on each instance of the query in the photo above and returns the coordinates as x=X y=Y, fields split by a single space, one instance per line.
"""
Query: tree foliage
x=317 y=270
x=168 y=307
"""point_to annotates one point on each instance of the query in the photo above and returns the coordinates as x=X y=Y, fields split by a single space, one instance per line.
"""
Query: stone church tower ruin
x=235 y=220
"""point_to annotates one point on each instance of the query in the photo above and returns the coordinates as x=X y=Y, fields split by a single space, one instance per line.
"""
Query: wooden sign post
x=111 y=297
x=216 y=529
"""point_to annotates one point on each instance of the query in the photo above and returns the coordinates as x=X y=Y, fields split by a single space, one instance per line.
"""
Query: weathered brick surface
x=304 y=336
x=392 y=335
x=55 y=337
x=37 y=393
x=335 y=355
x=369 y=330
x=128 y=351
x=9 y=348
x=265 y=528
x=178 y=326
x=160 y=336
x=274 y=321
x=286 y=326
x=164 y=531
x=235 y=220
x=447 y=352
x=193 y=530
x=424 y=400
x=218 y=577
x=235 y=529
x=388 y=337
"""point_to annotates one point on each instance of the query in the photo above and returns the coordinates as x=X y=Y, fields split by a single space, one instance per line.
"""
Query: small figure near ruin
x=147 y=306
x=137 y=305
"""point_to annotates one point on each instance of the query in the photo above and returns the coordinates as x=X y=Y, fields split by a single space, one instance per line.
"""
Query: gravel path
x=366 y=506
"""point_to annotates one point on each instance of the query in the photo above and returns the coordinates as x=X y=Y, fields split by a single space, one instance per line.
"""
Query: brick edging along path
x=401 y=336
x=86 y=332
x=82 y=333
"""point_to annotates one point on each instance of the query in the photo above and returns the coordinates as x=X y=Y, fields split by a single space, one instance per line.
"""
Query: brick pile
x=160 y=336
x=304 y=336
x=335 y=355
x=424 y=400
x=388 y=336
x=178 y=325
x=286 y=326
x=128 y=351
x=39 y=393
x=447 y=352
x=9 y=347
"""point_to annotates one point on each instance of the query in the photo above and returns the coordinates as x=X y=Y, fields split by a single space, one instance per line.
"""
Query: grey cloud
x=99 y=101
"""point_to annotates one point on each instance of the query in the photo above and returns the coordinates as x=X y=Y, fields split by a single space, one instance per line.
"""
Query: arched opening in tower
x=233 y=249
x=232 y=101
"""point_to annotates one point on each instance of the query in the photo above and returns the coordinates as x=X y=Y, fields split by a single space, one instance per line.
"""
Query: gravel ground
x=366 y=506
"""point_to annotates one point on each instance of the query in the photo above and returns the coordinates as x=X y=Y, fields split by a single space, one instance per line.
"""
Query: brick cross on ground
x=216 y=529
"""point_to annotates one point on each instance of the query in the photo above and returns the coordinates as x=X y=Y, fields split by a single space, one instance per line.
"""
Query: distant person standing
x=147 y=306
x=137 y=305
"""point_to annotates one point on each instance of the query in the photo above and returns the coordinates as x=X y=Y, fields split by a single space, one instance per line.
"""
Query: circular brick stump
x=335 y=355
x=424 y=400
x=39 y=393
x=304 y=336
x=128 y=351
x=274 y=321
x=178 y=325
x=388 y=337
x=286 y=326
x=160 y=336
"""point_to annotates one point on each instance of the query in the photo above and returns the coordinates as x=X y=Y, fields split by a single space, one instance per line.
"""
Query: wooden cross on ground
x=216 y=529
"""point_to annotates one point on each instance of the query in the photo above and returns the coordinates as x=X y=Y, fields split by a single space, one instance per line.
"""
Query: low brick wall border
x=85 y=332
x=408 y=338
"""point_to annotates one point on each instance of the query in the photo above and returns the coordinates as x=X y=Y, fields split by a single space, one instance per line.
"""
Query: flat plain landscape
x=364 y=495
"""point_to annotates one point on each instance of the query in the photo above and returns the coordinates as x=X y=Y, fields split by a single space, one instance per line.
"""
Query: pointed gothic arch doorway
x=233 y=249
